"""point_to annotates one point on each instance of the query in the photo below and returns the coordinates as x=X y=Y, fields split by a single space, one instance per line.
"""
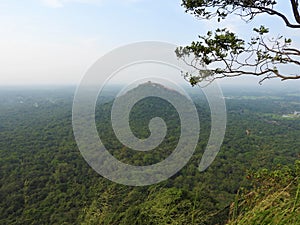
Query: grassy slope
x=275 y=200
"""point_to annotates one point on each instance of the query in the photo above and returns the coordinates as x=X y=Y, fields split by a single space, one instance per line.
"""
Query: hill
x=45 y=180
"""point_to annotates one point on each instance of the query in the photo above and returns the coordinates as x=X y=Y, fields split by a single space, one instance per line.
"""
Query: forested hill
x=45 y=180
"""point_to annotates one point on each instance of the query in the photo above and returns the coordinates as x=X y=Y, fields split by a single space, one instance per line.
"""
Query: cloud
x=62 y=3
x=53 y=3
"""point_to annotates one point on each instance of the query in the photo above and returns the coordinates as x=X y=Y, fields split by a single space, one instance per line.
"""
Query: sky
x=56 y=41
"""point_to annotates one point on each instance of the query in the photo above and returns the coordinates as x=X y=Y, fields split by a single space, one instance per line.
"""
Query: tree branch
x=295 y=6
x=231 y=57
x=283 y=17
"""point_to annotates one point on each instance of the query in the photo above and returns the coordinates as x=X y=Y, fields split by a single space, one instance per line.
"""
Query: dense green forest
x=45 y=180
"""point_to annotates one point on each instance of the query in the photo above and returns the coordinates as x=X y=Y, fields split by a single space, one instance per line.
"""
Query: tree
x=224 y=54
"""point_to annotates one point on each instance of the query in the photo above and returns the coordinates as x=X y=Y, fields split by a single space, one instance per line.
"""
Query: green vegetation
x=45 y=180
x=227 y=55
x=273 y=200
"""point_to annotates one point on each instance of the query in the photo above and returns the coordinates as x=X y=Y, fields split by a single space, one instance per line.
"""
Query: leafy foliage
x=45 y=180
x=223 y=54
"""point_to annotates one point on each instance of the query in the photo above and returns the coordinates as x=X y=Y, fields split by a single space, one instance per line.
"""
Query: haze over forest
x=50 y=175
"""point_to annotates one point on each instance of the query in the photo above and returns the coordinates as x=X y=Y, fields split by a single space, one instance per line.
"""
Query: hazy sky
x=56 y=41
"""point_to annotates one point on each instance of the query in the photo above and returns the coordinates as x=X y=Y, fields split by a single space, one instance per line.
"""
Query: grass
x=280 y=207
